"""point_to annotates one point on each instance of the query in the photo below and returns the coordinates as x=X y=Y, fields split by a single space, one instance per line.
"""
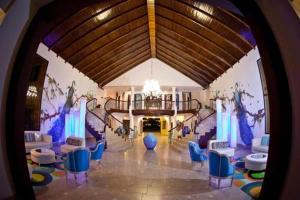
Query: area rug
x=42 y=175
x=248 y=183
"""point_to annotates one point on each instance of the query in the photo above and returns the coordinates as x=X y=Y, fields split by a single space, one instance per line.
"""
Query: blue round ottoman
x=150 y=141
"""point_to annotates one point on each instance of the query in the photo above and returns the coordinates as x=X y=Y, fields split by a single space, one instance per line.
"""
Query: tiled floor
x=131 y=172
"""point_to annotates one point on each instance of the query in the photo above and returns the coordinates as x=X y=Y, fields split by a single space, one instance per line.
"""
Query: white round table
x=256 y=161
x=42 y=156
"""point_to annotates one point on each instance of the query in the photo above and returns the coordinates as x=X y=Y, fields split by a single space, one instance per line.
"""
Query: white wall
x=64 y=74
x=246 y=73
x=166 y=75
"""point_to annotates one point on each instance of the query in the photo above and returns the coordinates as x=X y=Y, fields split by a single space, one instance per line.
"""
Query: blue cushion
x=265 y=140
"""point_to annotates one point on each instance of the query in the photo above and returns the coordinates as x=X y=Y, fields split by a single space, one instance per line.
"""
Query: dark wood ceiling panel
x=179 y=67
x=102 y=72
x=115 y=55
x=190 y=53
x=236 y=24
x=182 y=31
x=110 y=37
x=188 y=65
x=108 y=71
x=78 y=18
x=107 y=21
x=209 y=21
x=108 y=28
x=205 y=55
x=174 y=51
x=124 y=68
x=204 y=31
x=76 y=54
x=93 y=56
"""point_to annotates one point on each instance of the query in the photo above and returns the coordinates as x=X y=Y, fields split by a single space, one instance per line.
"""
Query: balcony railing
x=164 y=106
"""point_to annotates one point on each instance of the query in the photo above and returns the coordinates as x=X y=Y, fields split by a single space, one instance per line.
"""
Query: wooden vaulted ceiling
x=107 y=39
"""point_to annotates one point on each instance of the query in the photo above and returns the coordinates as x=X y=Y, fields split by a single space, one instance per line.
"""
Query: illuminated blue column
x=72 y=123
x=219 y=119
x=76 y=123
x=226 y=122
x=67 y=126
x=82 y=113
x=233 y=131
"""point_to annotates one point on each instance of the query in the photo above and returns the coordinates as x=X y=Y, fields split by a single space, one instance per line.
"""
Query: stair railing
x=90 y=106
x=115 y=104
x=193 y=104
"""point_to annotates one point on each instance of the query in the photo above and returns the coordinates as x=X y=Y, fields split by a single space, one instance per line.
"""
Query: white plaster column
x=131 y=107
x=175 y=110
x=174 y=100
x=163 y=101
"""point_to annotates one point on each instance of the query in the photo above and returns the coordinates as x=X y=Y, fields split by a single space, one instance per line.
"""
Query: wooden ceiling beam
x=161 y=56
x=151 y=20
x=126 y=67
x=110 y=68
x=93 y=71
x=94 y=27
x=188 y=34
x=192 y=43
x=208 y=20
x=192 y=68
x=189 y=52
x=78 y=51
x=96 y=54
x=204 y=31
x=188 y=60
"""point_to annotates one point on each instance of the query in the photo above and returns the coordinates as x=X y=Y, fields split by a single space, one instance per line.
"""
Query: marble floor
x=130 y=172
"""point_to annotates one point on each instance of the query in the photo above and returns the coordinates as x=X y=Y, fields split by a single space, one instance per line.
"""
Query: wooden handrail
x=199 y=107
x=87 y=108
x=109 y=113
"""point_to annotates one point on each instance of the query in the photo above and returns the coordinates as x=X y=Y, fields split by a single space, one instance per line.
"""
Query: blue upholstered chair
x=220 y=167
x=97 y=152
x=196 y=154
x=77 y=161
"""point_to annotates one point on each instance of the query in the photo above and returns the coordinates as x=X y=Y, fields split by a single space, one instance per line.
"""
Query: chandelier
x=151 y=86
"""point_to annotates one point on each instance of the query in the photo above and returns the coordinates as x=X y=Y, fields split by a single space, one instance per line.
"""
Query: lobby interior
x=149 y=99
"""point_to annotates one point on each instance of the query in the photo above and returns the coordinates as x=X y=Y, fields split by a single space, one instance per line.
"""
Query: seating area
x=35 y=139
x=261 y=144
x=71 y=144
x=220 y=167
x=221 y=146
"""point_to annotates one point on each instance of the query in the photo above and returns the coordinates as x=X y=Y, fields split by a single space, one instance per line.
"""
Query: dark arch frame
x=280 y=102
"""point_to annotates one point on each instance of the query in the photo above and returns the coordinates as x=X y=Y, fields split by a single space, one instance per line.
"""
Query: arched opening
x=275 y=77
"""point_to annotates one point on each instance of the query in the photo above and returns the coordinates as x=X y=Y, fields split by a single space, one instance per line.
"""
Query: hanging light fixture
x=151 y=86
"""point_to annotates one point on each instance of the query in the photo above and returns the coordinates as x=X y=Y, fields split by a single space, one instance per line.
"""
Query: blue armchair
x=220 y=167
x=196 y=154
x=77 y=161
x=97 y=152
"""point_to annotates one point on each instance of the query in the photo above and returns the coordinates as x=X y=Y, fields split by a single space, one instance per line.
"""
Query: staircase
x=95 y=120
x=113 y=105
x=207 y=125
x=195 y=106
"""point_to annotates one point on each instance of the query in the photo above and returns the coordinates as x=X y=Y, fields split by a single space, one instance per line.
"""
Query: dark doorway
x=151 y=125
x=34 y=94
